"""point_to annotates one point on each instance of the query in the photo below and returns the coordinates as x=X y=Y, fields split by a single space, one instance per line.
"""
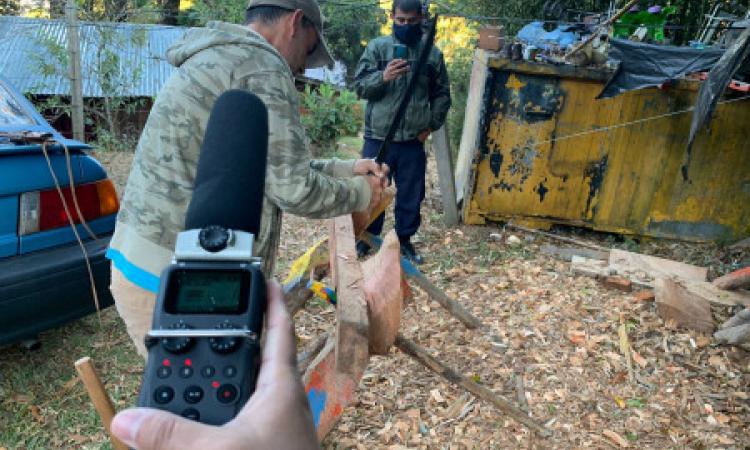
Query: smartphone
x=400 y=51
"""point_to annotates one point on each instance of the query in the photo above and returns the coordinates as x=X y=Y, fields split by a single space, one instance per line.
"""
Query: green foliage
x=232 y=11
x=349 y=28
x=328 y=114
x=9 y=7
x=112 y=76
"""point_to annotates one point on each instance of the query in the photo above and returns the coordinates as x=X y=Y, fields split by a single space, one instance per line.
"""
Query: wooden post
x=99 y=397
x=472 y=121
x=441 y=144
x=352 y=324
x=74 y=70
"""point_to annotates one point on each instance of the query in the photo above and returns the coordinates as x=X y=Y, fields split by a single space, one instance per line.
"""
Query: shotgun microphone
x=204 y=345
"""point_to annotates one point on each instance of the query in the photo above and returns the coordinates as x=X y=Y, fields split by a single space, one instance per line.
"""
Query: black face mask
x=408 y=34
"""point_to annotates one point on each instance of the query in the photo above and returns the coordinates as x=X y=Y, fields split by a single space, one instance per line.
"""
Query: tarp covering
x=647 y=65
x=717 y=81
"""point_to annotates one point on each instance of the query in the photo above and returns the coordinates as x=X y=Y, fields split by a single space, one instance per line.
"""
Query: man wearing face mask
x=279 y=39
x=381 y=78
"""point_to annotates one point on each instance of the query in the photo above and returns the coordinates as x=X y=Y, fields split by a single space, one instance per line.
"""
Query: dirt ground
x=560 y=353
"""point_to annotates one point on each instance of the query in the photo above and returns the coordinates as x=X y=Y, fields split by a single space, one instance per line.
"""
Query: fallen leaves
x=616 y=438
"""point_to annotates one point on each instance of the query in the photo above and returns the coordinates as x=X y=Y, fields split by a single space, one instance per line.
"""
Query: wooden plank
x=422 y=356
x=712 y=294
x=678 y=305
x=444 y=159
x=644 y=269
x=352 y=325
x=328 y=390
x=384 y=295
x=472 y=123
x=595 y=268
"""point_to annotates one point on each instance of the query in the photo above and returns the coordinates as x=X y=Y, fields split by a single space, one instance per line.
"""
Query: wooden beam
x=424 y=358
x=472 y=124
x=444 y=159
x=352 y=324
x=676 y=304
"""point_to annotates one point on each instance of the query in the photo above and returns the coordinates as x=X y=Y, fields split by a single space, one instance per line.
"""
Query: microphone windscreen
x=231 y=173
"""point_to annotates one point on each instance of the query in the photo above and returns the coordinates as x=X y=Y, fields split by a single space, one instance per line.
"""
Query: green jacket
x=429 y=104
x=210 y=61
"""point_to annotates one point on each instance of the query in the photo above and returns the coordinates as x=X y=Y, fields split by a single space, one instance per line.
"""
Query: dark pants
x=408 y=165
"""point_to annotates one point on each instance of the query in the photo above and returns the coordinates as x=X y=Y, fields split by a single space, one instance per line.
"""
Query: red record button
x=227 y=393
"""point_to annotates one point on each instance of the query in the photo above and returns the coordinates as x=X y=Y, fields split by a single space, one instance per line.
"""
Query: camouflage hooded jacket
x=429 y=104
x=210 y=61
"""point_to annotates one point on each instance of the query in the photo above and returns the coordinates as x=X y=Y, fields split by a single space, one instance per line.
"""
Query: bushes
x=328 y=114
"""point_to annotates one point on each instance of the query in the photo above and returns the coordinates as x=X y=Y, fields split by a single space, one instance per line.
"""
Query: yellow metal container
x=551 y=153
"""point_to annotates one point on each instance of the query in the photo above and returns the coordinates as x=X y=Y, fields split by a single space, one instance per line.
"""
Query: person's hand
x=424 y=134
x=370 y=167
x=395 y=69
x=279 y=403
x=376 y=191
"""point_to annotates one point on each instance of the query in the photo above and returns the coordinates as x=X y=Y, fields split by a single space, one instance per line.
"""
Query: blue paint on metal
x=317 y=400
x=8 y=225
x=63 y=235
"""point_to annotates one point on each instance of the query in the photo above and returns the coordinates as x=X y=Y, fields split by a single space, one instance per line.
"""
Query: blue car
x=45 y=280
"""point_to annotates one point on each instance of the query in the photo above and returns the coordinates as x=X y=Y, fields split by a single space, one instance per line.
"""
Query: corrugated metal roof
x=25 y=43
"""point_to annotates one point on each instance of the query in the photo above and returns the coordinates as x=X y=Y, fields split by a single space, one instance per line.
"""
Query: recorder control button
x=193 y=394
x=163 y=372
x=227 y=393
x=208 y=371
x=177 y=344
x=163 y=395
x=224 y=344
x=192 y=414
x=230 y=371
x=186 y=371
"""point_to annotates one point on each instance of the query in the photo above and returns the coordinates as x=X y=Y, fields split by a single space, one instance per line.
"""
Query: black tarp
x=647 y=65
x=716 y=83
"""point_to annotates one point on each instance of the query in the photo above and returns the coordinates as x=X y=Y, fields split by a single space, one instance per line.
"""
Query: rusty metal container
x=550 y=153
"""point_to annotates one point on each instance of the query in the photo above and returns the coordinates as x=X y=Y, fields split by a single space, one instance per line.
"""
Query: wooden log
x=99 y=397
x=444 y=159
x=412 y=273
x=739 y=279
x=383 y=294
x=352 y=324
x=424 y=358
x=644 y=269
x=713 y=294
x=677 y=304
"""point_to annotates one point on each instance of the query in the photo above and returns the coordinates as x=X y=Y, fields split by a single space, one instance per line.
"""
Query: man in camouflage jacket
x=381 y=78
x=280 y=38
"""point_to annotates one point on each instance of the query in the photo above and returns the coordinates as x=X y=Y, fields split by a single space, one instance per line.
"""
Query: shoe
x=407 y=250
x=363 y=249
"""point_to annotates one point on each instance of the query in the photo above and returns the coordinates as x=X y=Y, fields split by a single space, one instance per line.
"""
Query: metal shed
x=539 y=149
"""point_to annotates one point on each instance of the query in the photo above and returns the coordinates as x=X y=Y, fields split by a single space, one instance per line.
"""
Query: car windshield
x=11 y=111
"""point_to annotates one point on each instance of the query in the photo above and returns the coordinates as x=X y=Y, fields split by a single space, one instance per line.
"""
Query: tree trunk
x=171 y=9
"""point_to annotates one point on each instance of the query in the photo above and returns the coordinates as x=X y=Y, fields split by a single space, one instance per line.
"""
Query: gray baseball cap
x=321 y=56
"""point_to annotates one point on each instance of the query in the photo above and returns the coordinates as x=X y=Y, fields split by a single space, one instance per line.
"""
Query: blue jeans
x=408 y=164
